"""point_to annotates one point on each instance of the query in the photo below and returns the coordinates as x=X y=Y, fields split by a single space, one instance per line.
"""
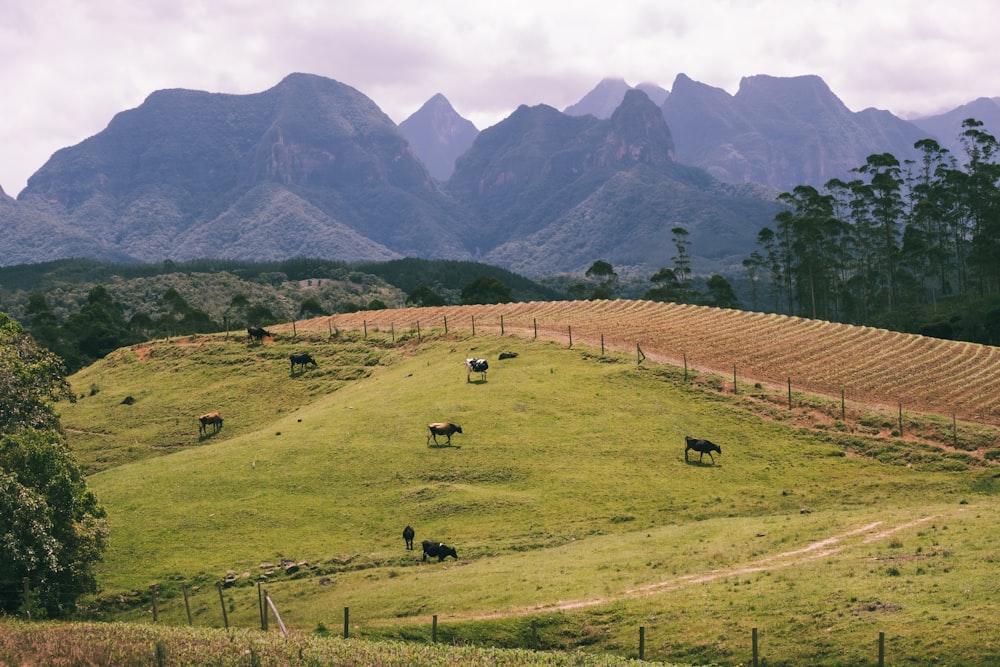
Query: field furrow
x=871 y=365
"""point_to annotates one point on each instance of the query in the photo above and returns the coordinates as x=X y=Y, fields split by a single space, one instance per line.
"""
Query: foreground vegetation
x=576 y=518
x=125 y=645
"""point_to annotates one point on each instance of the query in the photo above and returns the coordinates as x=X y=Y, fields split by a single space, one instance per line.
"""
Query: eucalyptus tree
x=813 y=236
x=929 y=246
x=982 y=202
x=884 y=193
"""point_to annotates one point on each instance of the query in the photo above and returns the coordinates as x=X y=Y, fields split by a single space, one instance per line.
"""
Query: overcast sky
x=68 y=66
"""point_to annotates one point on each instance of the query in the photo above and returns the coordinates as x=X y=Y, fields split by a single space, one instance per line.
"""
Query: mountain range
x=313 y=168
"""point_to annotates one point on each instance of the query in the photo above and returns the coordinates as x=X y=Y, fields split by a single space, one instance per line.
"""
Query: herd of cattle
x=431 y=548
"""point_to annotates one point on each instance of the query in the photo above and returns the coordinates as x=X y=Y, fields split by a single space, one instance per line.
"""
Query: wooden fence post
x=222 y=599
x=736 y=389
x=187 y=603
x=534 y=321
x=446 y=324
x=685 y=365
x=473 y=325
x=501 y=325
x=392 y=328
x=277 y=616
x=642 y=643
x=570 y=330
x=262 y=598
x=881 y=649
x=365 y=324
x=434 y=629
x=347 y=616
x=753 y=641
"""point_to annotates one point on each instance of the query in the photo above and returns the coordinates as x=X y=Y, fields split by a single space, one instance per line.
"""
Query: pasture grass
x=575 y=516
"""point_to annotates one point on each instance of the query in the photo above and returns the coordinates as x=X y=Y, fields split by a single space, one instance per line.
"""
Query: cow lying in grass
x=438 y=549
x=702 y=447
x=442 y=428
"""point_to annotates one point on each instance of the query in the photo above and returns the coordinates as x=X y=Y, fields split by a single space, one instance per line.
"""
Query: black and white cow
x=476 y=366
x=439 y=550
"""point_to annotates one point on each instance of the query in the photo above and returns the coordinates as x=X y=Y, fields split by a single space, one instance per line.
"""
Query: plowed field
x=870 y=366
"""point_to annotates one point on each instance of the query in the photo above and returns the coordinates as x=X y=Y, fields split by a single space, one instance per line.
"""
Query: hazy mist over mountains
x=313 y=168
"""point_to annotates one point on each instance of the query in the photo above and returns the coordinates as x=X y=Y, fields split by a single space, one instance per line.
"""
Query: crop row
x=868 y=365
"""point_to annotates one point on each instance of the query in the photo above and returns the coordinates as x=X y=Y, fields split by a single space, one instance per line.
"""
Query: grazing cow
x=302 y=359
x=476 y=366
x=702 y=447
x=257 y=334
x=408 y=536
x=438 y=549
x=442 y=428
x=213 y=418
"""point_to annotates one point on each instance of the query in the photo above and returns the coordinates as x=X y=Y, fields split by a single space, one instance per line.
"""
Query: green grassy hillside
x=575 y=515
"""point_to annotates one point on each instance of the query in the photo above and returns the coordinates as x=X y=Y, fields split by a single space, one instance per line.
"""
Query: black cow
x=701 y=446
x=438 y=549
x=442 y=428
x=257 y=334
x=302 y=359
x=408 y=536
x=476 y=366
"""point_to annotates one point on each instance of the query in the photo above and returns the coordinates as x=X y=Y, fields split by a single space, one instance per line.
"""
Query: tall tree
x=885 y=202
x=52 y=529
x=605 y=279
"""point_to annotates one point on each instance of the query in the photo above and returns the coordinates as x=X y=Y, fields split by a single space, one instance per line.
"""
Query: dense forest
x=83 y=309
x=911 y=246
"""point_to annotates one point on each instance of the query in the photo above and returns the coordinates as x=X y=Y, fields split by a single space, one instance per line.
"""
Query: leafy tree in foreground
x=52 y=530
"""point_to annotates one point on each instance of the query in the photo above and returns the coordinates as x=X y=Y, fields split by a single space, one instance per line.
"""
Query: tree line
x=912 y=246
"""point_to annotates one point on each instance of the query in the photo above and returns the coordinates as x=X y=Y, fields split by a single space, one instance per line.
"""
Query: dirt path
x=866 y=534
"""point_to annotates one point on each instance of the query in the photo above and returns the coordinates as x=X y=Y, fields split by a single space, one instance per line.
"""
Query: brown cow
x=442 y=428
x=213 y=418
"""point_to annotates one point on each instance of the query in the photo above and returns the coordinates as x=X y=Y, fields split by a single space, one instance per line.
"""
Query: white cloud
x=67 y=66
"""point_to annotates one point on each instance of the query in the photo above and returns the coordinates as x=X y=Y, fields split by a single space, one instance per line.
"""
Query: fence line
x=555 y=320
x=557 y=333
x=439 y=631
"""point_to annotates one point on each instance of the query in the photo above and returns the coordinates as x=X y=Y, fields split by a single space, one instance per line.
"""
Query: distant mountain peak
x=438 y=135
